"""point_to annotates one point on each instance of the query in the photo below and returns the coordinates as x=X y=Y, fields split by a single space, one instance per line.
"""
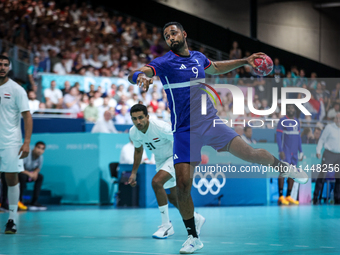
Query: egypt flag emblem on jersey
x=7 y=95
x=156 y=140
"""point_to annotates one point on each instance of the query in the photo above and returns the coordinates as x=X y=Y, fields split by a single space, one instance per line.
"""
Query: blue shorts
x=291 y=158
x=188 y=144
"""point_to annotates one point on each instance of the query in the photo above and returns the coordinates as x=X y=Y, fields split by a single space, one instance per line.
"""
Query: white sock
x=165 y=214
x=13 y=199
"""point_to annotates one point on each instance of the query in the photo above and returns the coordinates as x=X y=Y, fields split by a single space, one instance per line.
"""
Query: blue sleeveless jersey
x=182 y=79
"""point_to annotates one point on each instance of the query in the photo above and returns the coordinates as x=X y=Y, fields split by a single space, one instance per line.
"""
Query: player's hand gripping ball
x=264 y=66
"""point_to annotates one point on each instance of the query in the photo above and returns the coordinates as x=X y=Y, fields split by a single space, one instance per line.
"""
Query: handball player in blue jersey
x=289 y=142
x=182 y=73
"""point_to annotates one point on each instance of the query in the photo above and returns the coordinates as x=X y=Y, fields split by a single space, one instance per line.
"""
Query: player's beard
x=178 y=46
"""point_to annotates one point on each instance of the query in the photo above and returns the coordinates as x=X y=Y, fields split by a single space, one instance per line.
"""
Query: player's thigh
x=219 y=137
x=10 y=161
x=239 y=148
x=187 y=147
x=166 y=174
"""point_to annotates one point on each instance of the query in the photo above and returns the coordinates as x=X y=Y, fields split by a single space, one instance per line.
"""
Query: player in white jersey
x=157 y=136
x=13 y=104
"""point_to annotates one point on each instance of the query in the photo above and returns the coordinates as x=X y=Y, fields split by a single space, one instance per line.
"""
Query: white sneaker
x=191 y=245
x=199 y=221
x=164 y=231
x=296 y=173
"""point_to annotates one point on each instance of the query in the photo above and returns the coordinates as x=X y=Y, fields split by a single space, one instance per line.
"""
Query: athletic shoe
x=292 y=201
x=11 y=228
x=296 y=173
x=282 y=201
x=191 y=245
x=199 y=221
x=164 y=231
x=21 y=206
x=37 y=207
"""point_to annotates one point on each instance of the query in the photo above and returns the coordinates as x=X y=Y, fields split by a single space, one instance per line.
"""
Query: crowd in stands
x=82 y=40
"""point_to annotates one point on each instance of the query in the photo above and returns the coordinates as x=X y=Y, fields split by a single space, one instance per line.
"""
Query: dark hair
x=40 y=143
x=2 y=57
x=139 y=108
x=246 y=128
x=177 y=24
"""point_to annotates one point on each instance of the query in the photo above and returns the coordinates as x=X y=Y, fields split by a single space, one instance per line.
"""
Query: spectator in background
x=91 y=111
x=72 y=100
x=32 y=73
x=312 y=81
x=334 y=111
x=235 y=52
x=84 y=102
x=132 y=101
x=60 y=67
x=32 y=101
x=104 y=124
x=53 y=96
x=45 y=62
x=92 y=91
x=154 y=101
x=278 y=69
x=145 y=98
x=67 y=88
x=123 y=117
x=104 y=107
x=336 y=93
x=247 y=136
x=98 y=100
x=307 y=136
x=301 y=80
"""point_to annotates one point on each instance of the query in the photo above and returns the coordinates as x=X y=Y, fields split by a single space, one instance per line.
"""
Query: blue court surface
x=228 y=230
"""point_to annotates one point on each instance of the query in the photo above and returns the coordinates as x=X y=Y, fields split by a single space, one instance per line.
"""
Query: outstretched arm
x=225 y=66
x=142 y=77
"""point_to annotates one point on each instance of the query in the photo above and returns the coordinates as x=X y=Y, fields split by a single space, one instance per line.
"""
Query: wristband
x=135 y=76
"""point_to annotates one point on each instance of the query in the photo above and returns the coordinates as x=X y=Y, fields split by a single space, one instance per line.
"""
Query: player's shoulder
x=163 y=58
x=195 y=53
x=133 y=131
x=16 y=87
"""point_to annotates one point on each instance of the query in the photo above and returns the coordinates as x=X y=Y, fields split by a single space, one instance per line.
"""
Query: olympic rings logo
x=209 y=184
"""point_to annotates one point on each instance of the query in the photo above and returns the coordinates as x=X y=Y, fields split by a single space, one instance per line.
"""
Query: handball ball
x=264 y=66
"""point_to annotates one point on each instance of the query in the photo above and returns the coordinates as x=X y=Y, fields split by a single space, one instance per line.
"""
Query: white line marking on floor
x=228 y=242
x=67 y=236
x=326 y=247
x=273 y=244
x=251 y=243
x=304 y=246
x=139 y=252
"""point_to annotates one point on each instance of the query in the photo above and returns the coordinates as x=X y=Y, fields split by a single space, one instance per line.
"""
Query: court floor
x=228 y=230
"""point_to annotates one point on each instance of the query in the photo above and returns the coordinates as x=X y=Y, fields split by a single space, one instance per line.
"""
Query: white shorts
x=168 y=166
x=9 y=160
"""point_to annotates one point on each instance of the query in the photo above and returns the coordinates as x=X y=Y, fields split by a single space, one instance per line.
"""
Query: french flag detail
x=156 y=140
x=7 y=95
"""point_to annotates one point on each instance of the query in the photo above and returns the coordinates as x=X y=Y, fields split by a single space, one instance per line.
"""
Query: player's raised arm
x=225 y=66
x=137 y=158
x=142 y=77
